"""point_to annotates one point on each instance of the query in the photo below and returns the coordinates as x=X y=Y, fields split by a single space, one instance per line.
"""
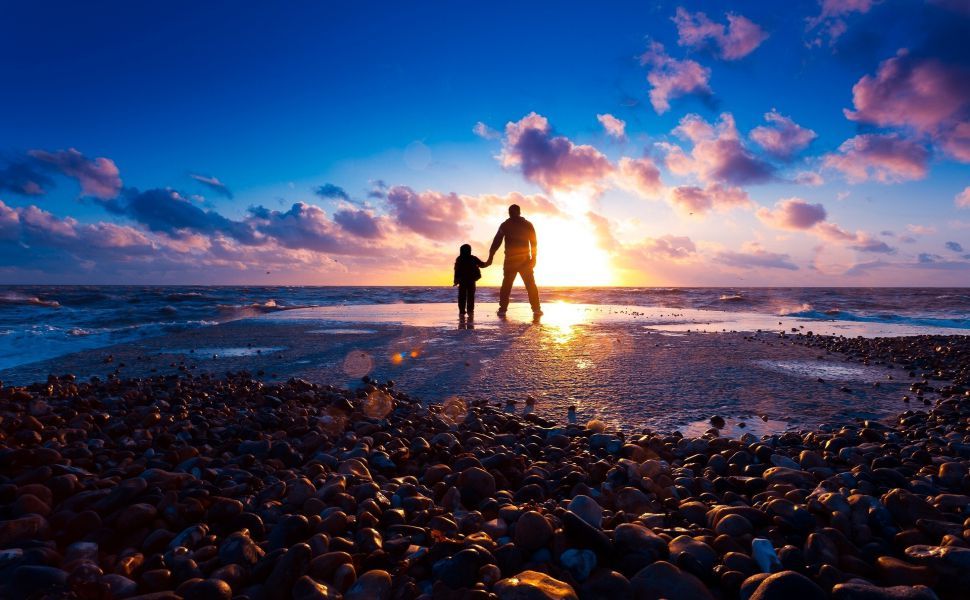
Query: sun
x=569 y=254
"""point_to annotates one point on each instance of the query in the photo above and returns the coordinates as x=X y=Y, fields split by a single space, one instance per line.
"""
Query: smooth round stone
x=31 y=580
x=703 y=554
x=475 y=484
x=580 y=563
x=290 y=567
x=209 y=589
x=606 y=584
x=664 y=580
x=532 y=531
x=372 y=585
x=532 y=585
x=865 y=591
x=734 y=526
x=238 y=548
x=893 y=571
x=587 y=509
x=306 y=588
x=632 y=538
x=458 y=571
x=787 y=585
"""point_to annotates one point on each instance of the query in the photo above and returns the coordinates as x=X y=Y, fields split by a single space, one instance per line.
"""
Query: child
x=467 y=272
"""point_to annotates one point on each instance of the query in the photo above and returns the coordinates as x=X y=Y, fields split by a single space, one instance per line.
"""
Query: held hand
x=488 y=263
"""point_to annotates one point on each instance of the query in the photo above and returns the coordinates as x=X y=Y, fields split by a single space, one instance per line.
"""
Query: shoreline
x=218 y=487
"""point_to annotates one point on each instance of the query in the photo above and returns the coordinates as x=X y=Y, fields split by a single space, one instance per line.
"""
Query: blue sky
x=274 y=101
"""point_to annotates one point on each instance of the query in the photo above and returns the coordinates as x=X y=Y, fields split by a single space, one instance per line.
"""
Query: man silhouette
x=520 y=258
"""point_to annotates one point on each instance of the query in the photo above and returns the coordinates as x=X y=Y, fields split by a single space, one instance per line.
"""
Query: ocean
x=43 y=322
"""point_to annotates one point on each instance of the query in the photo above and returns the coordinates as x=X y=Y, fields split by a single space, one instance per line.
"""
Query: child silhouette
x=467 y=272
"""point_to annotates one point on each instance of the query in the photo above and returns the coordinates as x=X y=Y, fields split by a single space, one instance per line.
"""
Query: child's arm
x=482 y=263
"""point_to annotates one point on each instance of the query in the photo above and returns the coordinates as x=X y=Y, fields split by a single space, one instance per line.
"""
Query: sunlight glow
x=560 y=320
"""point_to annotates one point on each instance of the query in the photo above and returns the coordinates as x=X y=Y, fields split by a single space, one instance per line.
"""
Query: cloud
x=954 y=246
x=718 y=155
x=531 y=204
x=614 y=127
x=213 y=183
x=303 y=226
x=809 y=178
x=831 y=19
x=31 y=237
x=332 y=192
x=99 y=177
x=434 y=215
x=783 y=137
x=923 y=95
x=886 y=158
x=553 y=162
x=22 y=177
x=921 y=229
x=736 y=40
x=715 y=196
x=361 y=223
x=672 y=247
x=793 y=214
x=670 y=78
x=962 y=200
x=756 y=257
x=168 y=211
x=485 y=132
x=641 y=176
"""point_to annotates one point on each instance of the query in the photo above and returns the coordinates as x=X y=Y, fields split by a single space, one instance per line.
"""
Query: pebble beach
x=199 y=487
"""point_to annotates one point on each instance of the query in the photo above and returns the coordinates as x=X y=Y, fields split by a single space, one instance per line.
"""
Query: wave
x=889 y=318
x=14 y=298
x=731 y=298
x=187 y=296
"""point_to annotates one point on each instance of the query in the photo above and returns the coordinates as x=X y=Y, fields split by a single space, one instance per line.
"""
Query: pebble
x=223 y=487
x=532 y=585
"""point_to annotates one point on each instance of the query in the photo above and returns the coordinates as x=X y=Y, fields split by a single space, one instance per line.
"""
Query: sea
x=43 y=322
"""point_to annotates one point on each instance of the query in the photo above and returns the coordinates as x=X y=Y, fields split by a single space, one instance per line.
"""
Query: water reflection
x=560 y=320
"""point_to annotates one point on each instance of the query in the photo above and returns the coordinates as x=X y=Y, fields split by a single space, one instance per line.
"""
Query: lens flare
x=358 y=363
x=378 y=404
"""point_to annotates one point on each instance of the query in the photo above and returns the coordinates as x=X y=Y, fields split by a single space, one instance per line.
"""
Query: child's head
x=465 y=250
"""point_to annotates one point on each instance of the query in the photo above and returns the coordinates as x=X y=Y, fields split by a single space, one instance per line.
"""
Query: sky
x=825 y=143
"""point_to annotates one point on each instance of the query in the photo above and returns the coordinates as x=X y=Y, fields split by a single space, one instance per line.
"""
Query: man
x=520 y=258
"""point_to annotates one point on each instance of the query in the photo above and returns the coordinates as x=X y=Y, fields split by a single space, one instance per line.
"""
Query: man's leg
x=528 y=278
x=508 y=277
x=462 y=298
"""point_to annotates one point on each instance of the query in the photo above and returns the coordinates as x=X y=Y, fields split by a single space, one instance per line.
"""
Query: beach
x=393 y=451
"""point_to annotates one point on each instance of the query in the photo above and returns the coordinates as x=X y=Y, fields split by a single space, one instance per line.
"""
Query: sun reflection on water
x=560 y=320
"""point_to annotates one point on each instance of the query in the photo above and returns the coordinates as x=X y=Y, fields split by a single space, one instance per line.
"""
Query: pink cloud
x=434 y=215
x=885 y=158
x=809 y=178
x=736 y=40
x=782 y=137
x=641 y=176
x=531 y=204
x=668 y=246
x=793 y=214
x=962 y=200
x=924 y=95
x=718 y=154
x=832 y=17
x=715 y=196
x=671 y=78
x=956 y=142
x=553 y=162
x=613 y=126
x=485 y=132
x=756 y=257
x=99 y=177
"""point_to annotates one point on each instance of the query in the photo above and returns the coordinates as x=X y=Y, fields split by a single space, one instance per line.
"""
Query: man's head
x=515 y=211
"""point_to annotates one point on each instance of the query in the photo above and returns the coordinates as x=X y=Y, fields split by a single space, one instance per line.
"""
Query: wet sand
x=630 y=367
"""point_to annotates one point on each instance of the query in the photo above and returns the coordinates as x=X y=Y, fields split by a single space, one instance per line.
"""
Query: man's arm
x=495 y=244
x=534 y=243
